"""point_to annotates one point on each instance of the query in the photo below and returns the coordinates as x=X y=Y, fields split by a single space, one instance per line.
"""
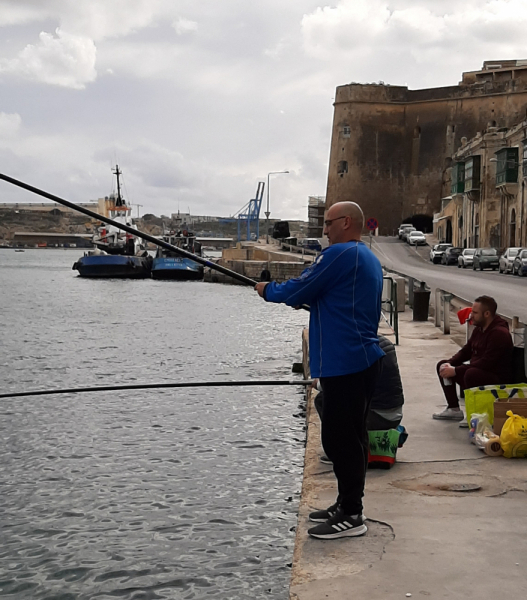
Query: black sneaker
x=321 y=516
x=338 y=526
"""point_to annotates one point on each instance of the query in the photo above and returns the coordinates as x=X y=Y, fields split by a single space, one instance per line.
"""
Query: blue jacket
x=343 y=288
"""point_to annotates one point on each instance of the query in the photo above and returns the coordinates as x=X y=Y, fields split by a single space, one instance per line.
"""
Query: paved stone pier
x=423 y=539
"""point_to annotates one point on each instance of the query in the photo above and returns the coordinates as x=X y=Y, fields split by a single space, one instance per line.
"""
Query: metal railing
x=391 y=304
x=299 y=249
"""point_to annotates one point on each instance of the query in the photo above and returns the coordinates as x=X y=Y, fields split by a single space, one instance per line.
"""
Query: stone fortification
x=391 y=147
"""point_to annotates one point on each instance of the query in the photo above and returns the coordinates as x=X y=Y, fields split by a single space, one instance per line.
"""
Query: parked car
x=311 y=244
x=437 y=251
x=416 y=238
x=519 y=266
x=485 y=258
x=507 y=258
x=403 y=228
x=466 y=258
x=405 y=233
x=450 y=256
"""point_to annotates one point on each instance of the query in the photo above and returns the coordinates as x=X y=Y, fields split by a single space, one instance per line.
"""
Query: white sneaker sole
x=364 y=518
x=355 y=532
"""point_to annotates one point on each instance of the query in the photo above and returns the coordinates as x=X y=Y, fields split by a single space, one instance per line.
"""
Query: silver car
x=506 y=260
x=466 y=258
x=403 y=228
x=437 y=251
x=406 y=233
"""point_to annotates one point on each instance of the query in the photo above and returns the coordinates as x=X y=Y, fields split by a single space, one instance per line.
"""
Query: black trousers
x=344 y=432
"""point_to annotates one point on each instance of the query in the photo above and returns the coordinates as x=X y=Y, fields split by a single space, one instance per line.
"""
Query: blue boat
x=170 y=265
x=117 y=266
x=117 y=254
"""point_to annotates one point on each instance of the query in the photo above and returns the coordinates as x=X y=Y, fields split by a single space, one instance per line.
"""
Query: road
x=510 y=292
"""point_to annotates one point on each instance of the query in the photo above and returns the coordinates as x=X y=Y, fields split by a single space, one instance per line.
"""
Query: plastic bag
x=513 y=436
x=481 y=399
x=477 y=424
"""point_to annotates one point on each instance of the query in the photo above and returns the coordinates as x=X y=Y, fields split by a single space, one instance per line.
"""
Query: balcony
x=458 y=179
x=507 y=168
x=473 y=177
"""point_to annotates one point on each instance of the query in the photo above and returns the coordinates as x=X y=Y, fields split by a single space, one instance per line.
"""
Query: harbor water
x=155 y=494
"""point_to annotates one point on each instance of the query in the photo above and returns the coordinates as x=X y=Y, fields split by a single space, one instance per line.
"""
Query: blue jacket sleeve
x=311 y=283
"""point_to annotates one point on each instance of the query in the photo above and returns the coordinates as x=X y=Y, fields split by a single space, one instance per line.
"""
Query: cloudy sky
x=198 y=101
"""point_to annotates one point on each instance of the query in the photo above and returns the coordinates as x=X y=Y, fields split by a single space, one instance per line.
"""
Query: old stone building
x=487 y=205
x=392 y=148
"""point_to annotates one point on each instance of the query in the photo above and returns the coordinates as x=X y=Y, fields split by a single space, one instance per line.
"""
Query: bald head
x=344 y=222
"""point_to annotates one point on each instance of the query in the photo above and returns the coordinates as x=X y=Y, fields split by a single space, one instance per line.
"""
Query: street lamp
x=267 y=212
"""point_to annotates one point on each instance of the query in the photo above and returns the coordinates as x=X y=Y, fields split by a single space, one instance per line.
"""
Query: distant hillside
x=53 y=222
x=56 y=221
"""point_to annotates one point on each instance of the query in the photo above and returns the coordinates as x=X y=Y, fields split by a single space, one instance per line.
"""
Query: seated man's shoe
x=449 y=414
x=338 y=526
x=464 y=423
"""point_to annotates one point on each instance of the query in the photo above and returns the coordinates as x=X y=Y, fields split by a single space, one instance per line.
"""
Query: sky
x=198 y=101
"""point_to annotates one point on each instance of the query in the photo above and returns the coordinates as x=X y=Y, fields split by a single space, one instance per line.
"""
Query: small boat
x=19 y=250
x=117 y=254
x=170 y=265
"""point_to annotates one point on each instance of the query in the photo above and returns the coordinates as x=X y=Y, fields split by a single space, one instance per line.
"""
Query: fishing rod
x=135 y=232
x=150 y=386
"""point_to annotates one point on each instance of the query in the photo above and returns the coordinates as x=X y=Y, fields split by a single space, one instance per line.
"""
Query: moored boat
x=117 y=254
x=170 y=265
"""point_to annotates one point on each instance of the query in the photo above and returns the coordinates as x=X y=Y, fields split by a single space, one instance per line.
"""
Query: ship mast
x=120 y=201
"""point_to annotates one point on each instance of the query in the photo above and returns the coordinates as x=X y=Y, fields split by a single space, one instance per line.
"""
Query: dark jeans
x=466 y=377
x=344 y=433
x=374 y=421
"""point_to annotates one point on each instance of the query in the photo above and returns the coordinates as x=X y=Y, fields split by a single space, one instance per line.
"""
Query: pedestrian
x=343 y=289
x=489 y=352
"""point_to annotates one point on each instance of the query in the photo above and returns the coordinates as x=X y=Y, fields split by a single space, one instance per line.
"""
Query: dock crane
x=249 y=213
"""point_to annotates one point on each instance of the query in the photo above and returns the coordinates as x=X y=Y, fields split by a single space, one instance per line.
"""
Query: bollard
x=421 y=303
x=437 y=308
x=446 y=298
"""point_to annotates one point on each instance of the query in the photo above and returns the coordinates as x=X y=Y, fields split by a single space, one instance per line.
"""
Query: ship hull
x=176 y=268
x=114 y=266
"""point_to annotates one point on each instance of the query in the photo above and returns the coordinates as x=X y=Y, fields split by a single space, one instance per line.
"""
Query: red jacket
x=489 y=350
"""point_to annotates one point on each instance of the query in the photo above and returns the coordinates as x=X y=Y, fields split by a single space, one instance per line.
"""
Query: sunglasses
x=329 y=221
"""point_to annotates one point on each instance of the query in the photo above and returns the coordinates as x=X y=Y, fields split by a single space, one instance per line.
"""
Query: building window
x=346 y=131
x=507 y=169
x=342 y=167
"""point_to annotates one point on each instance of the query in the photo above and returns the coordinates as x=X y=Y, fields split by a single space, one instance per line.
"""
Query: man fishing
x=343 y=288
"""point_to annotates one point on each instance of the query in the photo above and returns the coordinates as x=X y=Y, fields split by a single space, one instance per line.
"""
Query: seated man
x=489 y=351
x=386 y=407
